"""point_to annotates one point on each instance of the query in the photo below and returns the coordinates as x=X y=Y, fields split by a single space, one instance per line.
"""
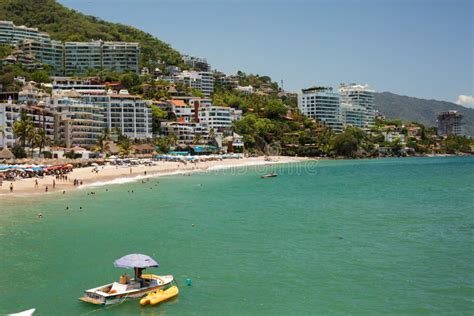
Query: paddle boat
x=128 y=288
x=270 y=175
x=159 y=296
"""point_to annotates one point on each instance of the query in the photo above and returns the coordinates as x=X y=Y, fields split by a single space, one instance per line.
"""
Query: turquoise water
x=366 y=237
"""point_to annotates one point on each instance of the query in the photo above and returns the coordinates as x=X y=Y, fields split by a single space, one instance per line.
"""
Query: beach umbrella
x=135 y=260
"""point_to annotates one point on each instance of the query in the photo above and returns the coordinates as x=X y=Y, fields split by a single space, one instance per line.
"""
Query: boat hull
x=98 y=297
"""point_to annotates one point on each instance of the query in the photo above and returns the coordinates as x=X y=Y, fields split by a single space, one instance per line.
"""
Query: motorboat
x=128 y=288
x=270 y=175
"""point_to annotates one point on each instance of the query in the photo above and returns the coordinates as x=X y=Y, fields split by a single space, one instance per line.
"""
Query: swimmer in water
x=40 y=215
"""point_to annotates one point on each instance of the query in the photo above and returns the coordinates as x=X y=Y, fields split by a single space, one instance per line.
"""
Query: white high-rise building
x=202 y=80
x=357 y=101
x=321 y=104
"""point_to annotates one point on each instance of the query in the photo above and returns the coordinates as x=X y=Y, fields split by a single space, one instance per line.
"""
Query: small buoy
x=188 y=282
x=67 y=207
x=80 y=207
x=193 y=225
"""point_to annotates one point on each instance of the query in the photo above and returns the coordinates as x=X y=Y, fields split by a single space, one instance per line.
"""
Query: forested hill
x=395 y=106
x=69 y=25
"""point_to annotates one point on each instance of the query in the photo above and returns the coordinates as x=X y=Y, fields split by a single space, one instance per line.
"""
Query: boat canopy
x=135 y=260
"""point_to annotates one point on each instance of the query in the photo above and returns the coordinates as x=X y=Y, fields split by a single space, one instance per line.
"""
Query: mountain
x=69 y=25
x=395 y=106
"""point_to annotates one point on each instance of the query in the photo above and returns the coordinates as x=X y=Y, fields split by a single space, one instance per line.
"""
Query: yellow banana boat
x=159 y=296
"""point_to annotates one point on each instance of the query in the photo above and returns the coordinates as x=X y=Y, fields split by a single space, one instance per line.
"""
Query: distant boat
x=270 y=175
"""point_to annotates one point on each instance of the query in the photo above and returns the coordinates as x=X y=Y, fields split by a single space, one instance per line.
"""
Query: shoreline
x=111 y=175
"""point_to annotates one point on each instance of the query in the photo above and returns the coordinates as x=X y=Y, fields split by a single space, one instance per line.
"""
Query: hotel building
x=129 y=114
x=450 y=123
x=321 y=104
x=203 y=81
x=184 y=131
x=80 y=124
x=13 y=34
x=9 y=113
x=358 y=101
x=197 y=63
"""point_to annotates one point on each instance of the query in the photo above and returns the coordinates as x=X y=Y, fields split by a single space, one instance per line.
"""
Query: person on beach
x=130 y=170
x=54 y=184
x=46 y=189
x=145 y=172
x=11 y=187
x=36 y=183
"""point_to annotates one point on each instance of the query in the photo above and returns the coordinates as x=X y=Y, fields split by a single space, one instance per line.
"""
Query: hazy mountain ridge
x=420 y=110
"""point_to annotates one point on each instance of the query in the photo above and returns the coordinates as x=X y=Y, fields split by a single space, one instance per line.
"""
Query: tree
x=39 y=139
x=163 y=144
x=197 y=139
x=345 y=144
x=18 y=151
x=23 y=129
x=101 y=144
x=40 y=76
x=158 y=116
x=125 y=145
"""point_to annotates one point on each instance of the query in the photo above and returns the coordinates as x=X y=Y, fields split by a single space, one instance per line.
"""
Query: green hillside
x=395 y=106
x=69 y=25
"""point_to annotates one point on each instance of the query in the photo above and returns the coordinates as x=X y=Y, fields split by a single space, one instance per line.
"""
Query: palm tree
x=22 y=129
x=212 y=136
x=101 y=145
x=37 y=138
x=174 y=139
x=197 y=139
x=125 y=145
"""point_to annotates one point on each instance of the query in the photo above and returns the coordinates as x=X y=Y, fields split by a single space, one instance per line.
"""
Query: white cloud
x=466 y=101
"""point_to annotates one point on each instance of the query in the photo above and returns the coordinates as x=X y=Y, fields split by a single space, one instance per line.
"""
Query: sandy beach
x=110 y=173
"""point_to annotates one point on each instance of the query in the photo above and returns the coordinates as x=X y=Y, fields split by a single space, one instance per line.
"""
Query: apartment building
x=9 y=113
x=120 y=56
x=202 y=80
x=450 y=123
x=13 y=34
x=353 y=115
x=323 y=105
x=91 y=85
x=218 y=118
x=79 y=57
x=197 y=63
x=79 y=124
x=129 y=114
x=49 y=52
x=358 y=100
x=185 y=132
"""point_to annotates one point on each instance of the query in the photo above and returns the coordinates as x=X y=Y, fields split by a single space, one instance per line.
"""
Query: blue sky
x=418 y=48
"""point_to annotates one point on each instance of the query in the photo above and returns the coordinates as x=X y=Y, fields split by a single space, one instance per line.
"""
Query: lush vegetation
x=27 y=134
x=69 y=25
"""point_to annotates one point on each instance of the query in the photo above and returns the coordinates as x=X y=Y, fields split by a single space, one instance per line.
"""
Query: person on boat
x=138 y=276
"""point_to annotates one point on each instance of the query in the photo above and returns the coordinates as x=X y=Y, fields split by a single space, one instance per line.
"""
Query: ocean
x=361 y=237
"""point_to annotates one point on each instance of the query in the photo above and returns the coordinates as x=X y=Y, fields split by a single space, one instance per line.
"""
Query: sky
x=419 y=48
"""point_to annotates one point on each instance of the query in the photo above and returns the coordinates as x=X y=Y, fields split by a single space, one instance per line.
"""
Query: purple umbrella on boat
x=135 y=260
